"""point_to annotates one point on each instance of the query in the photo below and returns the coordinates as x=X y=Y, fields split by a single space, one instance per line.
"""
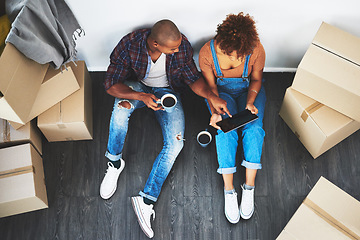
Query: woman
x=232 y=64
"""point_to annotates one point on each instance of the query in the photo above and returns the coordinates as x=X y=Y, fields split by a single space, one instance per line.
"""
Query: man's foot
x=232 y=207
x=247 y=203
x=143 y=213
x=109 y=183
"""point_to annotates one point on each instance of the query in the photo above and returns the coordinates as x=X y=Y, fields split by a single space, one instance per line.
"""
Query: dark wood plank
x=191 y=205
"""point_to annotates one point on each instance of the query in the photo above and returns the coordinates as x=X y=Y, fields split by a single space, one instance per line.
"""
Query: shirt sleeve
x=190 y=72
x=119 y=66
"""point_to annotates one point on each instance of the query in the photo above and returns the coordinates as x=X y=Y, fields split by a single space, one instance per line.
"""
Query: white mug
x=168 y=102
x=204 y=138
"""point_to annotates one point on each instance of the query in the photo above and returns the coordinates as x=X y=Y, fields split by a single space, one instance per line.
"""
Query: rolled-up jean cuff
x=251 y=165
x=141 y=193
x=113 y=157
x=226 y=170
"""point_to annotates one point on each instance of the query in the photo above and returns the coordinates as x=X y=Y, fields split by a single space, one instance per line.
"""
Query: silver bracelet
x=253 y=90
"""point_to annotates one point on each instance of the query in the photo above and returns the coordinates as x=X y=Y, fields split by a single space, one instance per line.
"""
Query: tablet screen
x=236 y=121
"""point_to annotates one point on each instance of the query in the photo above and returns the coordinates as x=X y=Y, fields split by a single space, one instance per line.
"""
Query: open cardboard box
x=317 y=126
x=71 y=119
x=20 y=81
x=22 y=182
x=29 y=133
x=28 y=88
x=330 y=71
x=326 y=213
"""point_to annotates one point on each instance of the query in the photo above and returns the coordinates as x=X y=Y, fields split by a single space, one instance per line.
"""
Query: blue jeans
x=173 y=129
x=234 y=92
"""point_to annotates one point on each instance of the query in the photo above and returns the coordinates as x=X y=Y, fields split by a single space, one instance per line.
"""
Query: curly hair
x=237 y=33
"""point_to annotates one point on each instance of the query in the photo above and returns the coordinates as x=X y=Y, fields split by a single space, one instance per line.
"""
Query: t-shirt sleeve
x=259 y=63
x=205 y=59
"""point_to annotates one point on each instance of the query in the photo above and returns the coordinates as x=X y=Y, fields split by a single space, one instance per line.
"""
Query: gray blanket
x=43 y=30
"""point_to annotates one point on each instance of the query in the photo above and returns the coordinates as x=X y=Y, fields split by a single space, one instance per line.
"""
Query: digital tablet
x=236 y=121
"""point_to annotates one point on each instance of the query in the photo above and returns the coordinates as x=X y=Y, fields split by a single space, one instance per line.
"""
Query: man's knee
x=124 y=104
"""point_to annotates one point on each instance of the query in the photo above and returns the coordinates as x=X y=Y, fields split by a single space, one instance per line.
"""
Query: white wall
x=286 y=28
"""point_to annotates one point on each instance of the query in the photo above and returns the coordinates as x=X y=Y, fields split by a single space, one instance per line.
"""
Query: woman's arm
x=254 y=89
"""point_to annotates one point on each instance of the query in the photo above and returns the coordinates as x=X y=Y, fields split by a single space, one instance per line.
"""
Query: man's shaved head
x=165 y=30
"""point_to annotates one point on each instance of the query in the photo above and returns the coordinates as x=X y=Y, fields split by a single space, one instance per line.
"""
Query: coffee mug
x=204 y=138
x=168 y=102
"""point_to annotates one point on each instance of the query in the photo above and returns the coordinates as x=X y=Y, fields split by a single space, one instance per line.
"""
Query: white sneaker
x=247 y=203
x=232 y=207
x=143 y=213
x=109 y=183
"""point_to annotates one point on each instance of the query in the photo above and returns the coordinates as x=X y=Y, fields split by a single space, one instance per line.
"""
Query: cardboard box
x=27 y=88
x=317 y=126
x=330 y=71
x=20 y=81
x=326 y=213
x=71 y=119
x=57 y=85
x=22 y=182
x=26 y=134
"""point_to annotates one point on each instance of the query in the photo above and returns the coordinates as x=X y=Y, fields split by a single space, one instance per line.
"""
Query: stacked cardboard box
x=71 y=119
x=326 y=213
x=29 y=133
x=28 y=89
x=22 y=183
x=321 y=106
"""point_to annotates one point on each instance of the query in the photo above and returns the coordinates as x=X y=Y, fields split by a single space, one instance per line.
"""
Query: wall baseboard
x=266 y=69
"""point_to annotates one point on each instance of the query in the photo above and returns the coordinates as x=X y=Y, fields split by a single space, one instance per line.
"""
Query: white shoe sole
x=136 y=206
x=246 y=216
x=232 y=221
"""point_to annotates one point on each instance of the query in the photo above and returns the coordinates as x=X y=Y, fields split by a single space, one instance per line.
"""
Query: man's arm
x=120 y=90
x=203 y=90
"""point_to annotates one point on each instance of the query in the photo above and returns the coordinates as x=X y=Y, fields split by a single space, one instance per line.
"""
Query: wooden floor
x=191 y=205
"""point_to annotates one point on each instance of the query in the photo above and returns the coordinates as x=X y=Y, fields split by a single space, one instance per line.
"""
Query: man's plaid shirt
x=130 y=61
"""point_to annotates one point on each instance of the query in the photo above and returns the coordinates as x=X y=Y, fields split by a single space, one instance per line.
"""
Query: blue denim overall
x=234 y=91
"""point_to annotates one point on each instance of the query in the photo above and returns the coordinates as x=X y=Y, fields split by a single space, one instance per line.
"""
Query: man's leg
x=173 y=128
x=119 y=121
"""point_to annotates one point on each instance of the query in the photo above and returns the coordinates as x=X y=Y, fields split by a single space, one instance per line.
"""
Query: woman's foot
x=247 y=202
x=231 y=206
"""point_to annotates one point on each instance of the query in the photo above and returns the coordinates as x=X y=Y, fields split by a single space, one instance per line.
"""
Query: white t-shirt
x=157 y=75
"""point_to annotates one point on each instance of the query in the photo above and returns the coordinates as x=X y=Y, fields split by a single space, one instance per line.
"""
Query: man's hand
x=219 y=105
x=150 y=101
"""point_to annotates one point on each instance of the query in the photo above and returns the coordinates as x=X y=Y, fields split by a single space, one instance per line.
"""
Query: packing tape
x=310 y=109
x=330 y=219
x=61 y=125
x=5 y=131
x=17 y=171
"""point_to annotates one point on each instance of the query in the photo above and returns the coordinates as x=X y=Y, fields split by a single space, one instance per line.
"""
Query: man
x=145 y=65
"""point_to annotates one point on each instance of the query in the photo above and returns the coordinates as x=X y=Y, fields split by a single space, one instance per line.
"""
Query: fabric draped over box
x=43 y=30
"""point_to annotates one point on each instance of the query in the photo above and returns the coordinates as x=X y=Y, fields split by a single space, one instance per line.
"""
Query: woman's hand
x=251 y=107
x=214 y=119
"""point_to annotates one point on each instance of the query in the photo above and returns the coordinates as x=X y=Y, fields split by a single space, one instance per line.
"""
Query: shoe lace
x=152 y=212
x=111 y=170
x=232 y=196
x=248 y=197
